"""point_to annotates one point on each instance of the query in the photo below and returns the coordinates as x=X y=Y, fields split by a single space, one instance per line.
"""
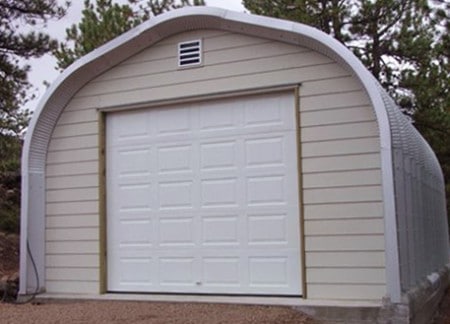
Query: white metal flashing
x=88 y=67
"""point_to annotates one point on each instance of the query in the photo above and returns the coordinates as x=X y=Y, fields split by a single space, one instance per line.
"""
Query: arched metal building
x=214 y=152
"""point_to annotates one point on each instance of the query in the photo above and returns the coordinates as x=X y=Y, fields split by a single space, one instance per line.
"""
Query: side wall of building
x=342 y=197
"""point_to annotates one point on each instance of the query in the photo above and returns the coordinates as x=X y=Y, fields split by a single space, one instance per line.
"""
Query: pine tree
x=15 y=45
x=384 y=34
x=18 y=45
x=106 y=20
x=10 y=148
x=428 y=100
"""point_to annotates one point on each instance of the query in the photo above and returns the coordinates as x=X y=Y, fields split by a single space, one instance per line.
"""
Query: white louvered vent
x=190 y=53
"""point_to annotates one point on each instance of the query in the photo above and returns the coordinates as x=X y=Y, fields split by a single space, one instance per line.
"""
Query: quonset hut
x=214 y=152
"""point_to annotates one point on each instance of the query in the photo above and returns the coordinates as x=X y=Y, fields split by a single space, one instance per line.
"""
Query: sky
x=43 y=69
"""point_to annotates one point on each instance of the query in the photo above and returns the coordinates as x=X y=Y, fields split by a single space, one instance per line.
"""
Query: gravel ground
x=146 y=312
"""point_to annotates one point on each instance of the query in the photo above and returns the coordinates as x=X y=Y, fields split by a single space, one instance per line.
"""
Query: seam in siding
x=220 y=78
x=338 y=139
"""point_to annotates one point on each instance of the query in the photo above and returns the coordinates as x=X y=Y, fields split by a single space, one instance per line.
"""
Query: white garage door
x=203 y=198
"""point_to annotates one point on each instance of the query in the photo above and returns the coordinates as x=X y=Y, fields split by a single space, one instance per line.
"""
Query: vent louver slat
x=190 y=53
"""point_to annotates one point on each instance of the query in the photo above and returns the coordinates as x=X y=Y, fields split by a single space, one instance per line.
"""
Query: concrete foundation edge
x=418 y=305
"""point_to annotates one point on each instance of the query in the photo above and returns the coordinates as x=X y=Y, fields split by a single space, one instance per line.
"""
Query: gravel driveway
x=146 y=312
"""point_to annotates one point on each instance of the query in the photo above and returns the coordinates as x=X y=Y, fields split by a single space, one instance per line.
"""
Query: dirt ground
x=146 y=312
x=9 y=254
x=442 y=315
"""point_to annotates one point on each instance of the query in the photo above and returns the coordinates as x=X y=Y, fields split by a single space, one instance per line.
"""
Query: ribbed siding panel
x=420 y=201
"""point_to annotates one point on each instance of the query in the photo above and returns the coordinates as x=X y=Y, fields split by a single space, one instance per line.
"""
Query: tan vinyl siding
x=71 y=234
x=339 y=132
x=223 y=84
x=77 y=260
x=74 y=155
x=346 y=291
x=344 y=226
x=345 y=259
x=71 y=195
x=354 y=242
x=72 y=286
x=342 y=179
x=340 y=148
x=77 y=117
x=344 y=210
x=338 y=116
x=71 y=274
x=342 y=194
x=241 y=68
x=72 y=221
x=73 y=168
x=77 y=142
x=59 y=247
x=70 y=182
x=346 y=276
x=334 y=101
x=72 y=208
x=80 y=129
x=342 y=163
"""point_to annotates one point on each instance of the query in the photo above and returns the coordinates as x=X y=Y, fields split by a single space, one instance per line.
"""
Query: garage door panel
x=219 y=193
x=222 y=272
x=136 y=233
x=177 y=232
x=264 y=112
x=134 y=196
x=222 y=230
x=175 y=195
x=268 y=229
x=133 y=127
x=218 y=117
x=172 y=121
x=269 y=271
x=177 y=272
x=206 y=198
x=269 y=151
x=218 y=155
x=132 y=161
x=264 y=151
x=175 y=158
x=266 y=190
x=134 y=214
x=137 y=271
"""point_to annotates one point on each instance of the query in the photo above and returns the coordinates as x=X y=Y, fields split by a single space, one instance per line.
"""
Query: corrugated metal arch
x=420 y=204
x=143 y=36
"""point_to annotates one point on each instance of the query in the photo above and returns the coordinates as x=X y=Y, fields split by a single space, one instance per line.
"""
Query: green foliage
x=10 y=147
x=17 y=44
x=106 y=20
x=384 y=34
x=406 y=46
x=429 y=104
